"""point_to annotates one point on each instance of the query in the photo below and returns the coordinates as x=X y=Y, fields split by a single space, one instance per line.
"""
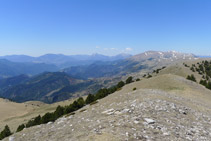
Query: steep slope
x=165 y=107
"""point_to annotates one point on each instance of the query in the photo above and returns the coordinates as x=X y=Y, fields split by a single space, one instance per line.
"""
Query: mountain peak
x=159 y=55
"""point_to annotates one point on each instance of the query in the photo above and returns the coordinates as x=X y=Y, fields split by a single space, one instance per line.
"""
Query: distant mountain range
x=147 y=60
x=204 y=56
x=13 y=65
x=63 y=61
x=10 y=69
x=55 y=86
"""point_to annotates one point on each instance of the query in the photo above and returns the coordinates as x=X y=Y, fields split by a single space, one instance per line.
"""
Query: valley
x=149 y=107
x=150 y=112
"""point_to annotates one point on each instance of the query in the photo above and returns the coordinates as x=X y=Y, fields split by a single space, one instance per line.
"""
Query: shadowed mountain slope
x=47 y=87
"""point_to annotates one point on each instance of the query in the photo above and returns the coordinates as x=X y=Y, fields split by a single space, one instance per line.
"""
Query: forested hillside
x=47 y=87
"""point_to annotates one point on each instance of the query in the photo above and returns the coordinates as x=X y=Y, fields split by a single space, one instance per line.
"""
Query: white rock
x=109 y=111
x=136 y=122
x=149 y=121
x=11 y=138
x=127 y=134
x=118 y=113
x=49 y=123
x=125 y=110
x=165 y=133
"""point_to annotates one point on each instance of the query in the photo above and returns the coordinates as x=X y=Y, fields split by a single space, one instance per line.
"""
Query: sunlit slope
x=13 y=114
x=164 y=107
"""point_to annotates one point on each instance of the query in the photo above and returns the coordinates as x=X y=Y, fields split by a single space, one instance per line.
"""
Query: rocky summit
x=130 y=115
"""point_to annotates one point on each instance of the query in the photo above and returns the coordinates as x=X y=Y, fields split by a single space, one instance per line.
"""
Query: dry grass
x=13 y=114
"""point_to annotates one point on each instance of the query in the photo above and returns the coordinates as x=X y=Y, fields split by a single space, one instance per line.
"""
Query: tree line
x=204 y=69
x=64 y=110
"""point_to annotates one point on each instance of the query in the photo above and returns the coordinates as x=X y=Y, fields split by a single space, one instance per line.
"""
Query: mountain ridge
x=62 y=61
x=10 y=69
x=142 y=114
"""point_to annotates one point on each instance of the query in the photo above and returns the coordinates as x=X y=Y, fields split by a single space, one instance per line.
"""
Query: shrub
x=209 y=85
x=149 y=76
x=137 y=79
x=134 y=89
x=185 y=65
x=120 y=84
x=129 y=80
x=203 y=82
x=191 y=77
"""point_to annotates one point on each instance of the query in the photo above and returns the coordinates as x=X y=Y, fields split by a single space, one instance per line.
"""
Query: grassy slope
x=190 y=93
x=14 y=114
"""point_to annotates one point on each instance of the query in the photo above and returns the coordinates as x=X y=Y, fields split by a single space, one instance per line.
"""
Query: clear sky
x=36 y=27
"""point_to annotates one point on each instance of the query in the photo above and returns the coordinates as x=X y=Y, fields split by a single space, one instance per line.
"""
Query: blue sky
x=36 y=27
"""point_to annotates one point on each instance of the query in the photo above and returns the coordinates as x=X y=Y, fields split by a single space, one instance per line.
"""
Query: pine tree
x=69 y=109
x=59 y=112
x=47 y=117
x=90 y=98
x=37 y=120
x=20 y=128
x=81 y=102
x=5 y=133
x=75 y=105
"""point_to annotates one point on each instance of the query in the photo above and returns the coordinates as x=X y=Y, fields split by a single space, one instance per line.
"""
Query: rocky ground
x=144 y=114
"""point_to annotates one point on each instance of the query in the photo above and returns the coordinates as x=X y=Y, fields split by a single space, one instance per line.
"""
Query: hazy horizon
x=99 y=54
x=106 y=27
